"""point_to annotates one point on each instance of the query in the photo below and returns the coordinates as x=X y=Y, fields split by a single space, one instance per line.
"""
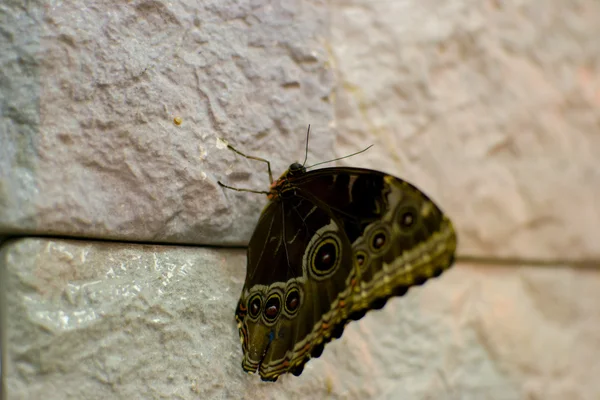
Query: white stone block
x=491 y=107
x=88 y=142
x=107 y=320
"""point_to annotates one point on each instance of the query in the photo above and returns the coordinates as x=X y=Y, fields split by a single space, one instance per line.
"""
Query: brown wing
x=399 y=236
x=299 y=261
x=342 y=241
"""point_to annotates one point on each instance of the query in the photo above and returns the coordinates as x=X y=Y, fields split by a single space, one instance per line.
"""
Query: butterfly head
x=282 y=187
x=296 y=169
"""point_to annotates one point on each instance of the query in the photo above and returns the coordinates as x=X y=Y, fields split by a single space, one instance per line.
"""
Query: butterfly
x=330 y=245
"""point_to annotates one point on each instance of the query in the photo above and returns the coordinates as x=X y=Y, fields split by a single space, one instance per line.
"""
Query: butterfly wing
x=299 y=262
x=399 y=237
x=339 y=242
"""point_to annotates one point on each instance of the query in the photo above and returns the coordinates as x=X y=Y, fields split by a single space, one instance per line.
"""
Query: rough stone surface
x=104 y=320
x=493 y=107
x=89 y=146
x=488 y=106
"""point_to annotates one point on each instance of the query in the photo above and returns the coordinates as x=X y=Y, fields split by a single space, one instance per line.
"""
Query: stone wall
x=123 y=259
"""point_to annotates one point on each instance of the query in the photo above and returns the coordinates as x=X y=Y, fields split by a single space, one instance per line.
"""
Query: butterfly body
x=330 y=245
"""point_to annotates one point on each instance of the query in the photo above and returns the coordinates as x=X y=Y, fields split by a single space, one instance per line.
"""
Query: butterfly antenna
x=306 y=151
x=340 y=158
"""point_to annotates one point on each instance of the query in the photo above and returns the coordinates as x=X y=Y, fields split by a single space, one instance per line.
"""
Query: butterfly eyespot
x=271 y=311
x=362 y=259
x=254 y=306
x=408 y=218
x=325 y=257
x=379 y=240
x=272 y=307
x=292 y=301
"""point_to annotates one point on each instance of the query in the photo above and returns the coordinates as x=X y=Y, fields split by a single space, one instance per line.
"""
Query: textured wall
x=89 y=144
x=492 y=108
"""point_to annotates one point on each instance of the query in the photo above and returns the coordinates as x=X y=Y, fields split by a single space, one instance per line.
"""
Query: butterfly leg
x=241 y=190
x=230 y=147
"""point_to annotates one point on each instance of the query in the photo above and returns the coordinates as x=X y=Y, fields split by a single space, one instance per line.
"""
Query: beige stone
x=110 y=130
x=114 y=116
x=491 y=107
x=98 y=320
